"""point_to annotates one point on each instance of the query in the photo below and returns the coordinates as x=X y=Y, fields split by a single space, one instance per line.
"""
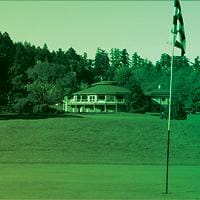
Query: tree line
x=33 y=76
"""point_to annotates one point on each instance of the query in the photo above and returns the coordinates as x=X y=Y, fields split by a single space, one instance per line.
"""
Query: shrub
x=44 y=108
x=23 y=106
x=177 y=111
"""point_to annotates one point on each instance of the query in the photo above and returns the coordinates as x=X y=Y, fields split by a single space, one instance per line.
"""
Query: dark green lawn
x=99 y=138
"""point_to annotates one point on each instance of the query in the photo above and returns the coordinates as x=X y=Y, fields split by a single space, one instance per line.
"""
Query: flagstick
x=169 y=116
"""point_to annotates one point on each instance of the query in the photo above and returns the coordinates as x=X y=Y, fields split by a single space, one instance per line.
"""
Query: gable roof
x=104 y=87
x=158 y=93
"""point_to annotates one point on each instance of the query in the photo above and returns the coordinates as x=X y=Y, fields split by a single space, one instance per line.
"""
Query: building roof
x=105 y=83
x=158 y=93
x=104 y=87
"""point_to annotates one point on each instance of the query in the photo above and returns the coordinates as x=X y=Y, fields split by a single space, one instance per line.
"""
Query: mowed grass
x=105 y=156
x=99 y=138
x=68 y=181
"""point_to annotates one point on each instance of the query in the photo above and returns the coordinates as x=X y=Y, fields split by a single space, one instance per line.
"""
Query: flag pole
x=169 y=114
x=177 y=20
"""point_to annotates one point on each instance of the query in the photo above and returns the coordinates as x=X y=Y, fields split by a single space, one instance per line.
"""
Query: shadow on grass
x=14 y=116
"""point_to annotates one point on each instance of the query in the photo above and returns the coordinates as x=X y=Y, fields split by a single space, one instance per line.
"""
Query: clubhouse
x=104 y=96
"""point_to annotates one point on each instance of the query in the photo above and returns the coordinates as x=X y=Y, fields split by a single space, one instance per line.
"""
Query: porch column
x=105 y=109
x=63 y=105
x=115 y=100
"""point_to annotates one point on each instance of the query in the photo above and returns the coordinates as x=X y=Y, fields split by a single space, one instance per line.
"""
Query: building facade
x=103 y=96
x=158 y=100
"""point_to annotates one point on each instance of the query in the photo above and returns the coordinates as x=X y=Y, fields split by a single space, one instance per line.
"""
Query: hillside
x=99 y=138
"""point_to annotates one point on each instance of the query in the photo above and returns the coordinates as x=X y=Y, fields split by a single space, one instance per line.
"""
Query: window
x=163 y=99
x=110 y=98
x=78 y=98
x=91 y=97
x=84 y=97
x=101 y=97
x=120 y=98
x=75 y=98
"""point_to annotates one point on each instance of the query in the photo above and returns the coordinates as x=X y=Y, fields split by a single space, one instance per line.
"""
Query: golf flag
x=180 y=41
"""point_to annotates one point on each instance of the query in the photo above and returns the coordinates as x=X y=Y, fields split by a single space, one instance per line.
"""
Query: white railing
x=97 y=101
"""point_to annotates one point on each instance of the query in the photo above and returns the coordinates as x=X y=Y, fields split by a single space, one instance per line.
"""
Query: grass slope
x=100 y=138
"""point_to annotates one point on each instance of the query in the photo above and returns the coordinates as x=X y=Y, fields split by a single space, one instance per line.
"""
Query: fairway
x=60 y=181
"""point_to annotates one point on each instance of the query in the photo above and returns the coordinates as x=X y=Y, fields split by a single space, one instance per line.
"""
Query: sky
x=139 y=26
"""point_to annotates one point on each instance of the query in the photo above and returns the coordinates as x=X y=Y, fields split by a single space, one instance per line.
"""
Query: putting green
x=61 y=181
